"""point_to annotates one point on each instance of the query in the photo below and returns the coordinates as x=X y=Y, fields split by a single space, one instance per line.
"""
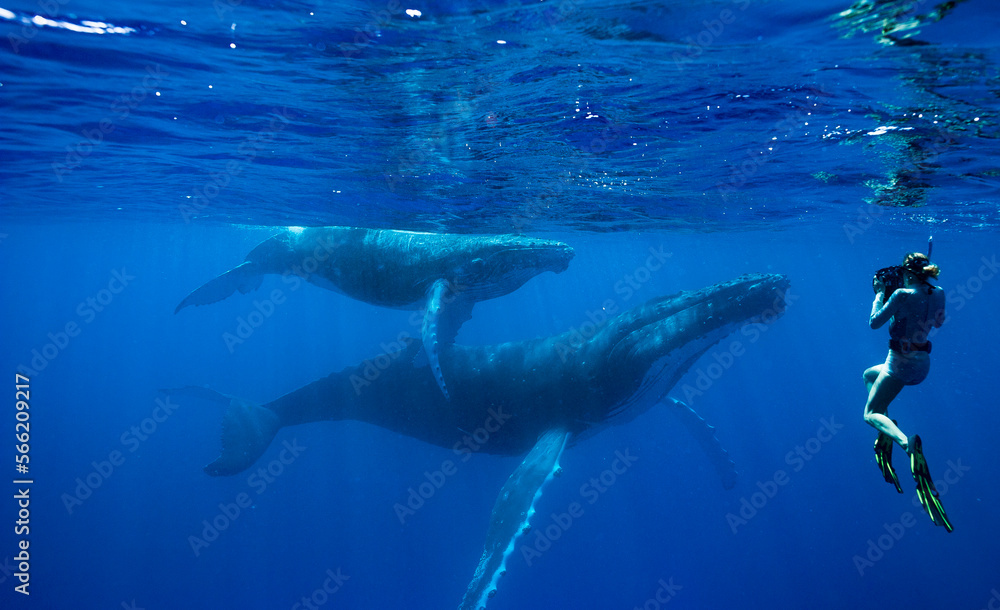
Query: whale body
x=536 y=397
x=441 y=274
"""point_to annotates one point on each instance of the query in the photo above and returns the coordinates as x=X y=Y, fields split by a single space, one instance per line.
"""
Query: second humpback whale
x=541 y=394
x=442 y=274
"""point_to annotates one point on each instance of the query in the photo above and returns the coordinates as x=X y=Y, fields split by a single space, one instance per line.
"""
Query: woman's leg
x=881 y=390
x=871 y=374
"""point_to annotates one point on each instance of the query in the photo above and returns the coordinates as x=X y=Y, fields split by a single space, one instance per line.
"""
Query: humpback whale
x=442 y=274
x=542 y=394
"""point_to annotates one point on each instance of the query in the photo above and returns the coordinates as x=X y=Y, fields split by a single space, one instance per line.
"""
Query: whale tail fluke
x=247 y=431
x=245 y=277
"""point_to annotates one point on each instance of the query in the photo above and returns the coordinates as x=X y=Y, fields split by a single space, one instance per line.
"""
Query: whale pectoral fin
x=705 y=435
x=511 y=513
x=247 y=431
x=245 y=277
x=440 y=327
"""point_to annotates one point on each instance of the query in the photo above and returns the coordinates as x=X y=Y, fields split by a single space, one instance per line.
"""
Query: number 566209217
x=21 y=428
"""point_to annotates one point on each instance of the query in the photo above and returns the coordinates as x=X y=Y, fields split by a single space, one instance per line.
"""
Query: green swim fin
x=883 y=457
x=925 y=485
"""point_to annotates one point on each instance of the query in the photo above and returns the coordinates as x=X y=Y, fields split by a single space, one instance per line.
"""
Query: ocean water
x=147 y=147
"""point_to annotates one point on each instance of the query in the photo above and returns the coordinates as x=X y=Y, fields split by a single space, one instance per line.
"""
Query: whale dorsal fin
x=245 y=277
x=511 y=513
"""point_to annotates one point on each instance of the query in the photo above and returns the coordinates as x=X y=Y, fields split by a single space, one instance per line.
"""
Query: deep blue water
x=779 y=137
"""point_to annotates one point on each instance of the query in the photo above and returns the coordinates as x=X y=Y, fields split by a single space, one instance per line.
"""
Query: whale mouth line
x=493 y=270
x=560 y=252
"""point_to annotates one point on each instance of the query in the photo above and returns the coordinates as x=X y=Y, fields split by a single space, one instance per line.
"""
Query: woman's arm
x=882 y=312
x=937 y=306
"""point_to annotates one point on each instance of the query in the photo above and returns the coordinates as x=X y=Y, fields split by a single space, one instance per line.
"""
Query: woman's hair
x=919 y=265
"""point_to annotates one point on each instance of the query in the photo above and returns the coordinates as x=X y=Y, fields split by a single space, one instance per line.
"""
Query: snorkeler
x=905 y=296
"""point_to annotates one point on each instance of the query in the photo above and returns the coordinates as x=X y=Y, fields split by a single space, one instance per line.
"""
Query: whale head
x=497 y=265
x=647 y=350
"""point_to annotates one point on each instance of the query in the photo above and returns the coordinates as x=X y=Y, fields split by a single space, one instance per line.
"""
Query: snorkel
x=892 y=279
